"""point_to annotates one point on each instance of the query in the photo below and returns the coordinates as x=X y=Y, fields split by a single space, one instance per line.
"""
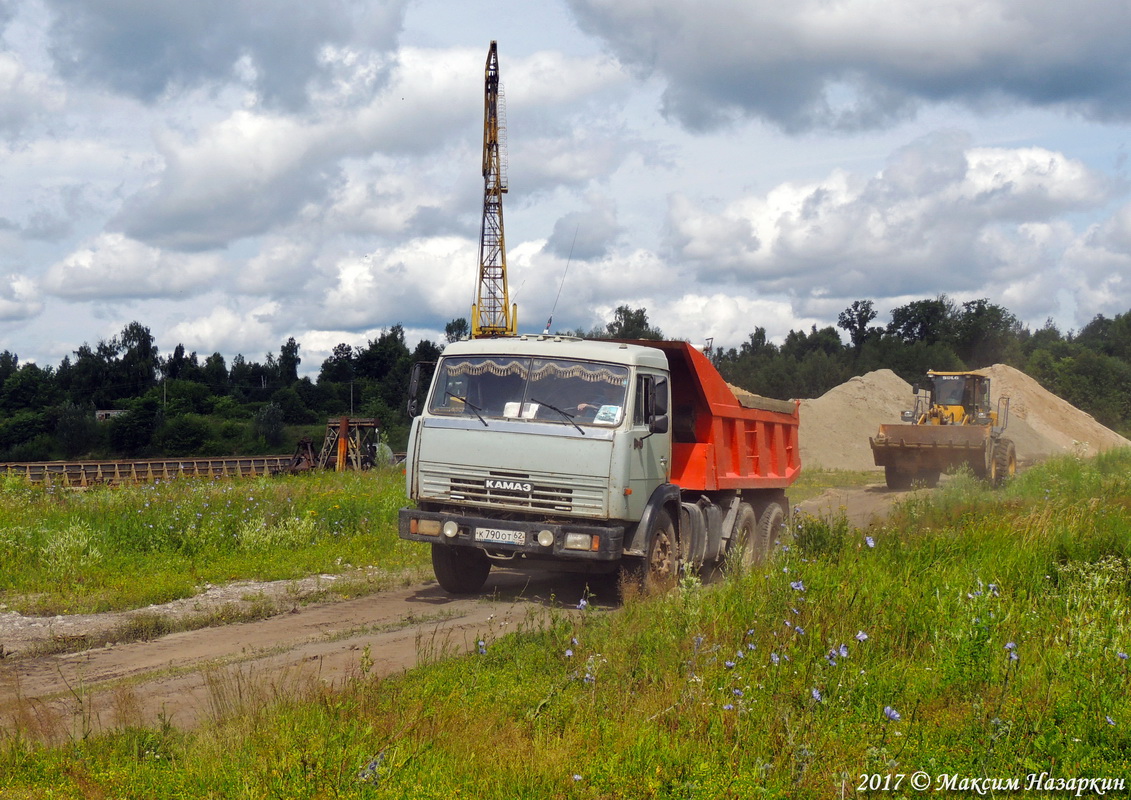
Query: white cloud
x=25 y=96
x=113 y=266
x=231 y=329
x=860 y=64
x=422 y=280
x=937 y=219
x=19 y=298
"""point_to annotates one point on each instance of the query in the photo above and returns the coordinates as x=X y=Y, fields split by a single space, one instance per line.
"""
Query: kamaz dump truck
x=951 y=424
x=591 y=455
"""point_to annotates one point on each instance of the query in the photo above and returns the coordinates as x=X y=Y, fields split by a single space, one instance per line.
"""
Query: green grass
x=813 y=482
x=82 y=551
x=993 y=626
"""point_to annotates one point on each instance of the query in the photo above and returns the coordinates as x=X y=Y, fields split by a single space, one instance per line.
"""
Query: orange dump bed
x=719 y=442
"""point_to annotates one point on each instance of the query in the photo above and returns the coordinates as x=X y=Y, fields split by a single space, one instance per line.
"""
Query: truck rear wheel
x=1004 y=465
x=460 y=570
x=897 y=478
x=770 y=525
x=754 y=535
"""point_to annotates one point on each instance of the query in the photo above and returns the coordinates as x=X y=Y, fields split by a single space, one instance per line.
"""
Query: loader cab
x=958 y=398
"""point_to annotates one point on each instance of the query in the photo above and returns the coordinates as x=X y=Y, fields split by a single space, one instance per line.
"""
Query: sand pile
x=835 y=427
x=1058 y=424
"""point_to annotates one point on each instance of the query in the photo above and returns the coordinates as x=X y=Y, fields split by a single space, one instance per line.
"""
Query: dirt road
x=184 y=678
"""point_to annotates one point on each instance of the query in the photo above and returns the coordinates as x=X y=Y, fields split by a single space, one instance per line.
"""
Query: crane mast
x=492 y=313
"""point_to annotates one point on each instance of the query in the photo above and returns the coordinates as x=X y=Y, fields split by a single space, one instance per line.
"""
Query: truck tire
x=1004 y=464
x=460 y=570
x=746 y=549
x=770 y=524
x=661 y=566
x=897 y=478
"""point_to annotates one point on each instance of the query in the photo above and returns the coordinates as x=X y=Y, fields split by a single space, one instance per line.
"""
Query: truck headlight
x=546 y=538
x=578 y=541
x=451 y=529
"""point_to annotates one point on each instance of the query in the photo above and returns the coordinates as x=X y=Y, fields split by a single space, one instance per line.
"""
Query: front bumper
x=607 y=541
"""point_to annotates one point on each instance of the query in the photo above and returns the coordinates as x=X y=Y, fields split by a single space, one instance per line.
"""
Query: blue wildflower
x=482 y=648
x=728 y=664
x=1122 y=655
x=774 y=658
x=738 y=693
x=861 y=636
x=892 y=714
x=582 y=603
x=816 y=694
x=569 y=653
x=1110 y=721
x=798 y=586
x=868 y=540
x=843 y=651
x=728 y=707
x=799 y=630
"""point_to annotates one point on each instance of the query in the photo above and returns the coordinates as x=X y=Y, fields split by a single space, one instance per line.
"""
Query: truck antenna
x=565 y=272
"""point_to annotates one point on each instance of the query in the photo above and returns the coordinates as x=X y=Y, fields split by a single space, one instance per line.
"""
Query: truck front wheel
x=662 y=565
x=460 y=570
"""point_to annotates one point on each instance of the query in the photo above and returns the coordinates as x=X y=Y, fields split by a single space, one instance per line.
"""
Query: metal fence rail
x=148 y=470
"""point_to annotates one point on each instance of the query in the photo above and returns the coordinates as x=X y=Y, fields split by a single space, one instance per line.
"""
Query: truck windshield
x=555 y=390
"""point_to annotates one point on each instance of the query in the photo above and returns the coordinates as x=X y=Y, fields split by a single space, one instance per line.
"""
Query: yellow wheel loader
x=951 y=423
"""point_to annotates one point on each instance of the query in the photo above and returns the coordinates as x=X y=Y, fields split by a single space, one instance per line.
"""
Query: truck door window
x=645 y=400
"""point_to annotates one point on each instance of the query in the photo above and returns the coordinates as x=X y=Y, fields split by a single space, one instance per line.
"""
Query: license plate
x=500 y=536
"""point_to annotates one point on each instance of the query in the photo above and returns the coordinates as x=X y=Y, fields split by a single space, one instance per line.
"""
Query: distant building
x=103 y=414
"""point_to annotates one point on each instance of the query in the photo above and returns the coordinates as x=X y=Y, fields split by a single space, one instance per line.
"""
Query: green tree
x=922 y=320
x=339 y=367
x=456 y=330
x=76 y=429
x=268 y=425
x=985 y=334
x=855 y=320
x=288 y=362
x=631 y=323
x=183 y=435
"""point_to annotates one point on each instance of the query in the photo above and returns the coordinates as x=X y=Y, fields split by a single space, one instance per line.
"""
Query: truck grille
x=517 y=491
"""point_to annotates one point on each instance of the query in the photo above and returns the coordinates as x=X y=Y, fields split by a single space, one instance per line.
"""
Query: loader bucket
x=909 y=451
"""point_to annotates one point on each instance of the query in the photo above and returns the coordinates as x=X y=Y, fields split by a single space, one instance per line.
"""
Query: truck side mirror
x=413 y=406
x=658 y=424
x=914 y=388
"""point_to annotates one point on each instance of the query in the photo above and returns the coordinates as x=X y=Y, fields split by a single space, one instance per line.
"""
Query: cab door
x=650 y=459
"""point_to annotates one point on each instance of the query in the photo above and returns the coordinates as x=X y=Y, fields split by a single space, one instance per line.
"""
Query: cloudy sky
x=231 y=173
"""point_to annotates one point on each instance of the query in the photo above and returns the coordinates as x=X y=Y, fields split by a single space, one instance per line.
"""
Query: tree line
x=182 y=404
x=1090 y=368
x=185 y=405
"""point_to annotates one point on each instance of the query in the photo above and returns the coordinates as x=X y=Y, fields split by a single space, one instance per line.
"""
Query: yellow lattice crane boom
x=492 y=313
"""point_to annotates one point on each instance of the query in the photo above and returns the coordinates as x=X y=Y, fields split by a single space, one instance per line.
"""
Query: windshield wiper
x=566 y=416
x=474 y=408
